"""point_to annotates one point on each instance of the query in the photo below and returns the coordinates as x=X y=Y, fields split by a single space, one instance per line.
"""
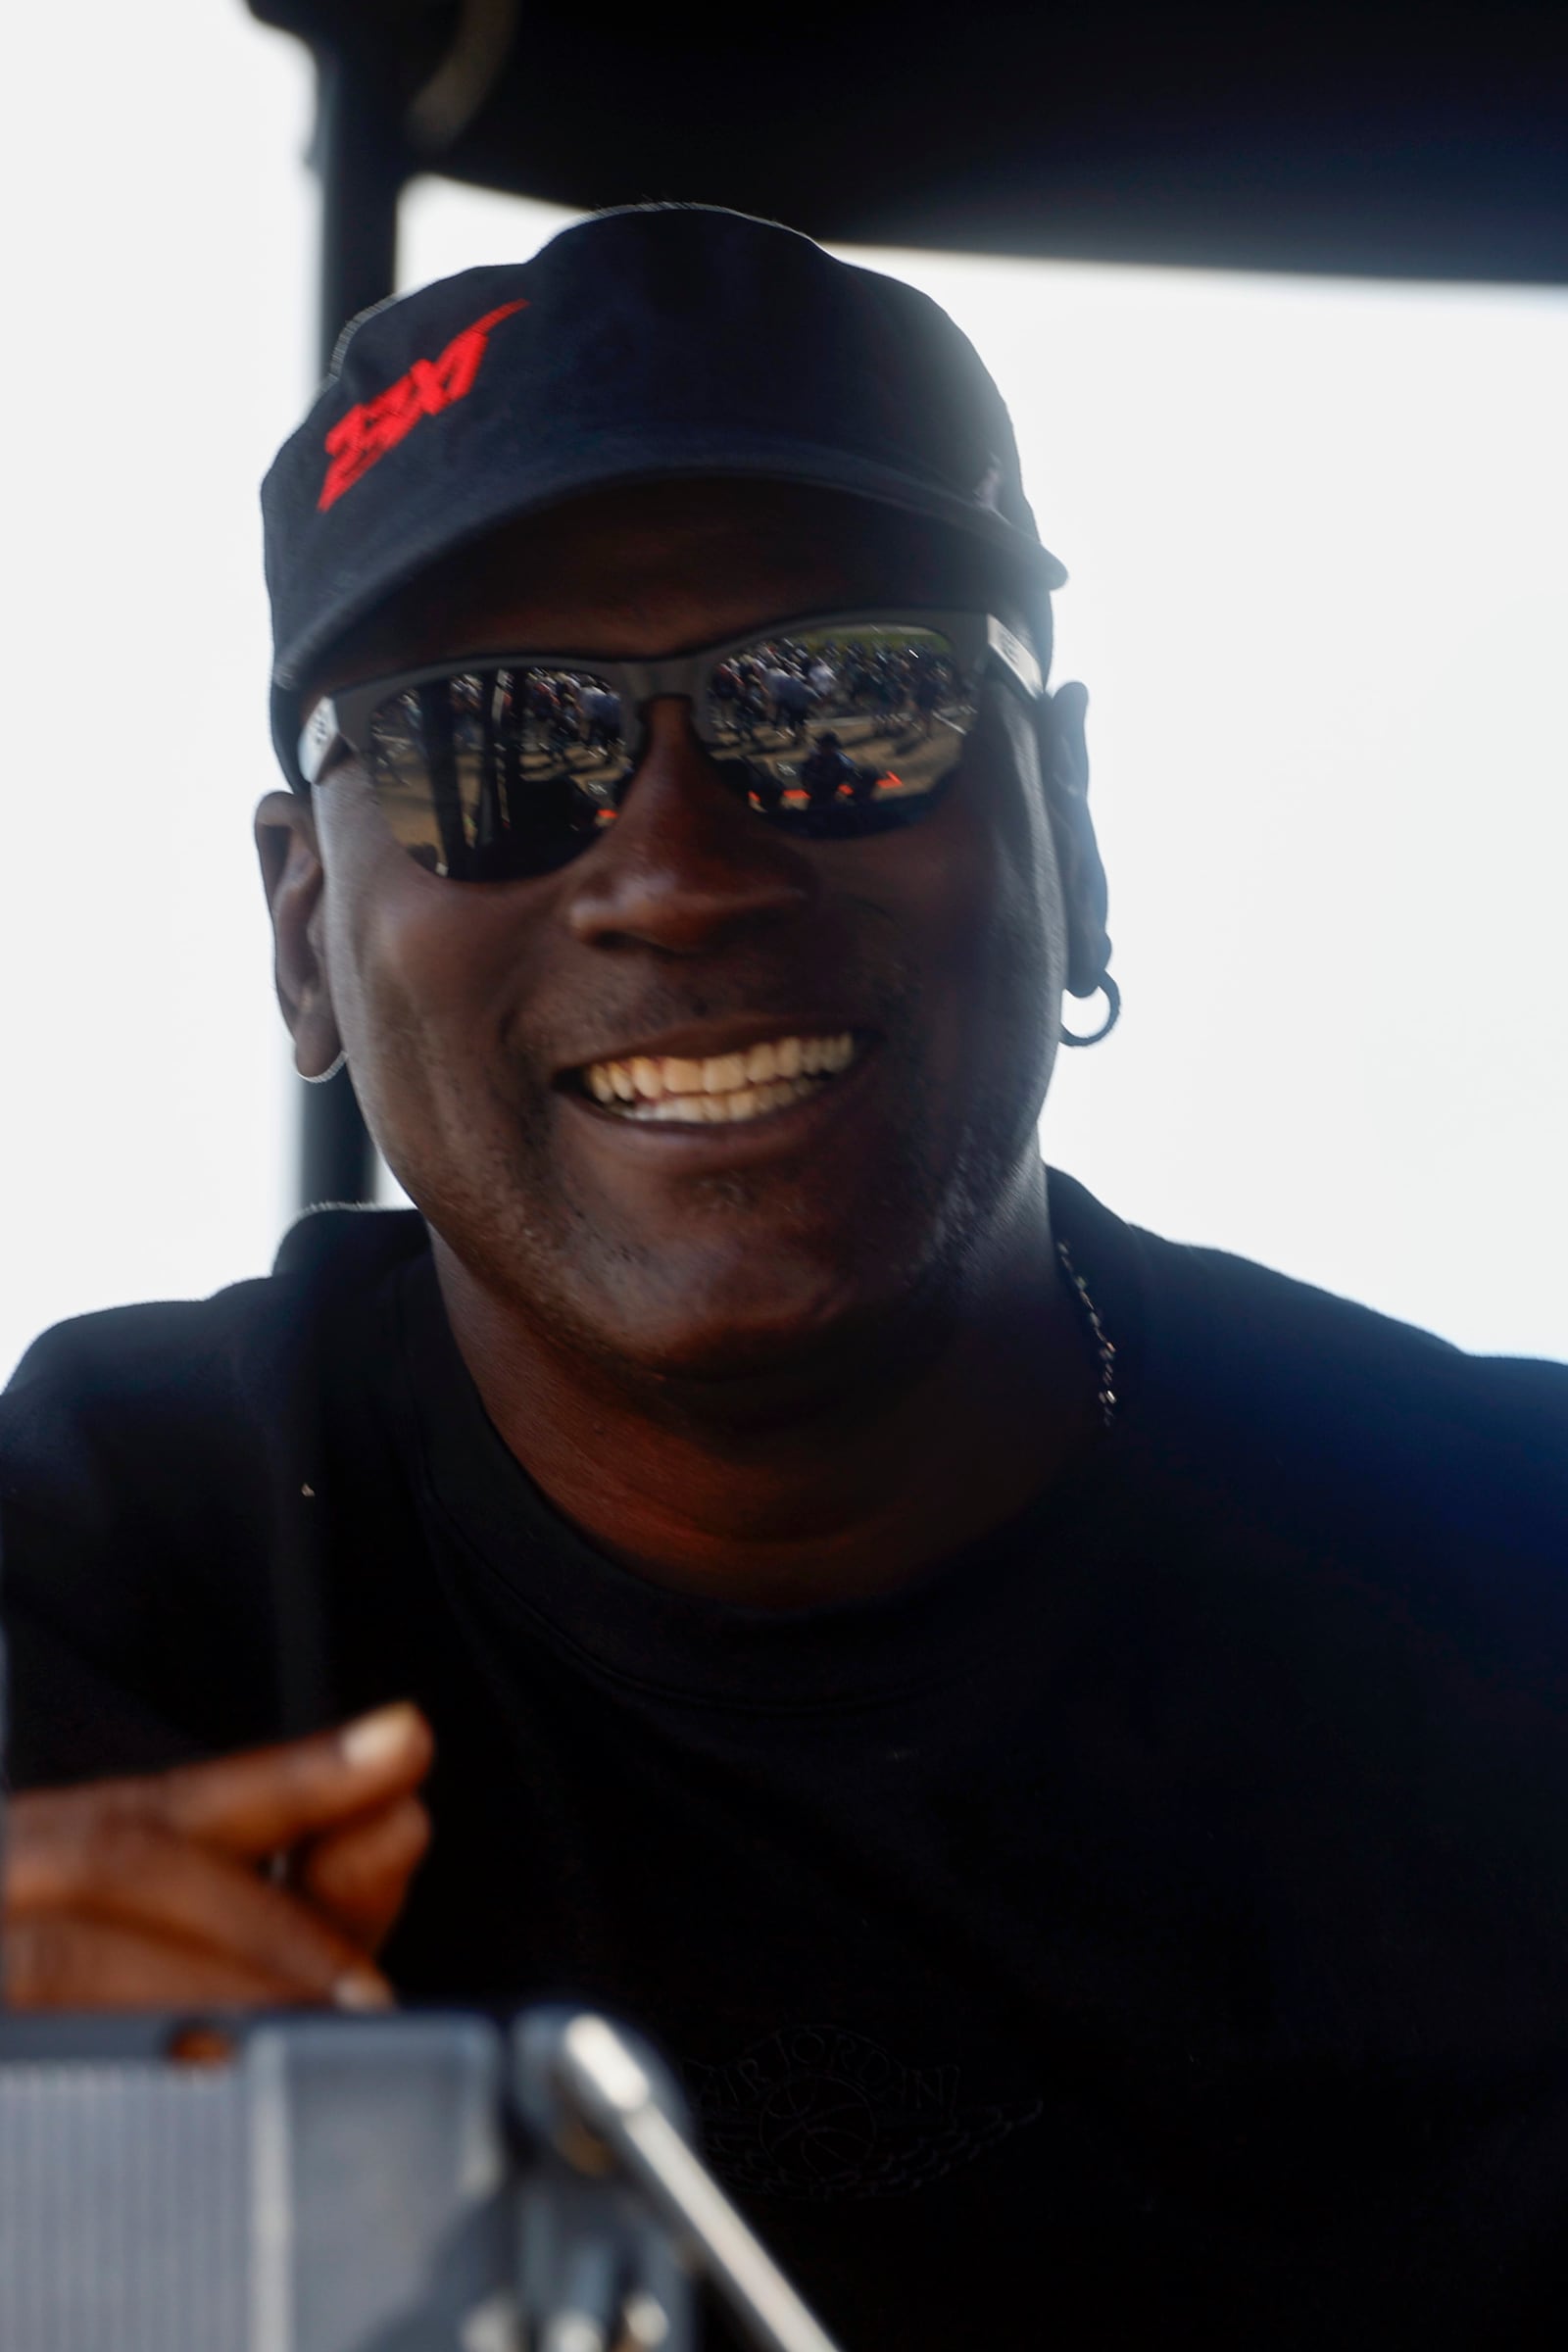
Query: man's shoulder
x=100 y=1387
x=156 y=1508
x=1312 y=1388
x=1258 y=1316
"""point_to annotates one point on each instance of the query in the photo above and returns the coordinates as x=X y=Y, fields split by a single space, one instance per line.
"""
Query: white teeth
x=718 y=1110
x=725 y=1086
x=755 y=1099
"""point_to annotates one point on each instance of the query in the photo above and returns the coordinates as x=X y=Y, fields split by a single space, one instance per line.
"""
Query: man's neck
x=845 y=1485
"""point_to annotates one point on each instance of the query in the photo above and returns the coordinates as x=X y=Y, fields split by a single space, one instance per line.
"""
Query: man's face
x=472 y=1011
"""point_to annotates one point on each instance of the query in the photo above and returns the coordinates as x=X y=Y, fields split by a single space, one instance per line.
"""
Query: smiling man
x=723 y=1123
x=1059 y=1736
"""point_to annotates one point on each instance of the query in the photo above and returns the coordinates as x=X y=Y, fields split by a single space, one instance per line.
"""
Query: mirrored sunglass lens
x=490 y=774
x=843 y=730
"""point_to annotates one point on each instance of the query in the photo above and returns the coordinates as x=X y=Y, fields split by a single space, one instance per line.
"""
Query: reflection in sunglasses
x=834 y=733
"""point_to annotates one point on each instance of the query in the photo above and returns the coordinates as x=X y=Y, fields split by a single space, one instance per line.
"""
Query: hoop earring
x=322 y=1077
x=1113 y=1015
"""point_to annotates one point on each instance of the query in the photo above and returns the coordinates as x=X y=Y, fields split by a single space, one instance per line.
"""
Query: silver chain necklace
x=1103 y=1348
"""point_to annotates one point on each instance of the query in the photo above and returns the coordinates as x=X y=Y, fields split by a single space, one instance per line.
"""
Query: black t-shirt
x=1149 y=1929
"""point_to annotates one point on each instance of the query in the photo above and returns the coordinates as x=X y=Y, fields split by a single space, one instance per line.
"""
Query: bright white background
x=1315 y=537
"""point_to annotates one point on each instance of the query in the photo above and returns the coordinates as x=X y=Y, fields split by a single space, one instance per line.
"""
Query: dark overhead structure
x=1369 y=140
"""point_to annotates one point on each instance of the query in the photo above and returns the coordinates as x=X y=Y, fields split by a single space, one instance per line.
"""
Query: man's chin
x=747 y=1353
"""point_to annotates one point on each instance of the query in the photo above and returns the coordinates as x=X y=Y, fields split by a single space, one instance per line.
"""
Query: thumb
x=250 y=1804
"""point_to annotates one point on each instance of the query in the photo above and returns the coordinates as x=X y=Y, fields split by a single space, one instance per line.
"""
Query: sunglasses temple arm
x=321 y=740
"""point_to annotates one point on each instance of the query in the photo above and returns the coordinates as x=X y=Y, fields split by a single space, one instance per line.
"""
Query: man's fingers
x=252 y=1804
x=100 y=1865
x=144 y=1891
x=65 y=1963
x=359 y=1875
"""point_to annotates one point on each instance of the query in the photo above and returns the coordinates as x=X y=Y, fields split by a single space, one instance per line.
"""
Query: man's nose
x=687 y=861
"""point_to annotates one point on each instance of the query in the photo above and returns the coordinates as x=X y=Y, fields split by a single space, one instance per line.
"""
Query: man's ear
x=1064 y=758
x=292 y=877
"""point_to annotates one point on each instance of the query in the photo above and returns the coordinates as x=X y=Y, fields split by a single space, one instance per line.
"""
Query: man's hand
x=151 y=1893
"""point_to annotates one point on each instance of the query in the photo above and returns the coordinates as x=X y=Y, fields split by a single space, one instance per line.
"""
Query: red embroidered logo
x=376 y=425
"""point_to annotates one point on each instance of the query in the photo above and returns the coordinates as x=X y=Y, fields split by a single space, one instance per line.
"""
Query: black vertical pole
x=358 y=159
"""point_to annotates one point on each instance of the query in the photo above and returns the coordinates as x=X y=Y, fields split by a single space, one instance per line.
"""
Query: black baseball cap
x=650 y=342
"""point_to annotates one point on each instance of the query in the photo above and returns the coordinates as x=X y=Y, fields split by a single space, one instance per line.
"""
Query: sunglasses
x=834 y=727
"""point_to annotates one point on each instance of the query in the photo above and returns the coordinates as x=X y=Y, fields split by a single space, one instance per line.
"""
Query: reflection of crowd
x=497 y=708
x=570 y=711
x=556 y=727
x=829 y=767
x=782 y=684
x=534 y=750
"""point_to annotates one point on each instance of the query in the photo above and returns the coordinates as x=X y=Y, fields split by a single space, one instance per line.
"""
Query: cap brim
x=406 y=544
